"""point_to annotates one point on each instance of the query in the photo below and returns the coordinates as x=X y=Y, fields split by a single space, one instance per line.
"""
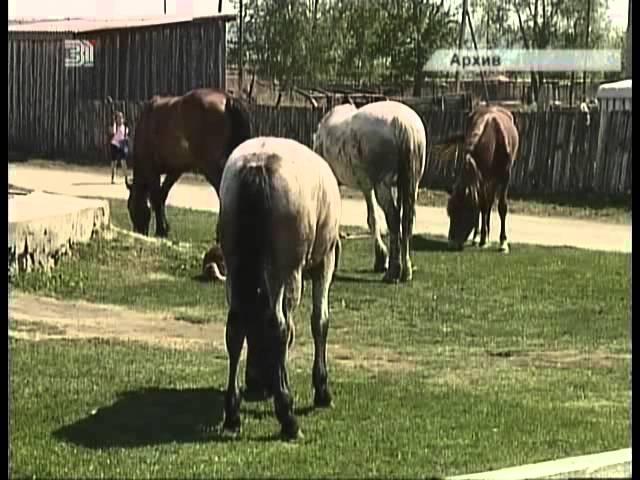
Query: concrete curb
x=613 y=464
x=43 y=227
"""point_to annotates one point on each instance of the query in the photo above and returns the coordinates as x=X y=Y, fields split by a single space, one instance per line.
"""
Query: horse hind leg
x=321 y=279
x=381 y=263
x=502 y=211
x=408 y=220
x=392 y=215
x=277 y=338
x=293 y=293
x=257 y=388
x=476 y=230
x=234 y=338
x=486 y=217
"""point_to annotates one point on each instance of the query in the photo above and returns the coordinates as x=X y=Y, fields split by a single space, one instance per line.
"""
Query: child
x=119 y=144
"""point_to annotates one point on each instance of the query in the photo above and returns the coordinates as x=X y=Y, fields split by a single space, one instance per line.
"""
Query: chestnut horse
x=490 y=148
x=194 y=132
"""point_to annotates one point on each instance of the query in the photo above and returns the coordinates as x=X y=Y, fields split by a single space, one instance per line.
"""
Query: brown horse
x=194 y=132
x=490 y=147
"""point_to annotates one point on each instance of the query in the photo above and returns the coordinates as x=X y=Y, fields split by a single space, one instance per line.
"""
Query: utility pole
x=463 y=20
x=240 y=46
x=586 y=45
x=487 y=26
x=475 y=45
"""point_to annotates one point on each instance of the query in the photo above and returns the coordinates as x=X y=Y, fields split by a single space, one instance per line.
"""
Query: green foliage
x=362 y=40
x=306 y=42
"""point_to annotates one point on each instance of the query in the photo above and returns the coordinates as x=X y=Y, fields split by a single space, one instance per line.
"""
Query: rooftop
x=621 y=89
x=79 y=25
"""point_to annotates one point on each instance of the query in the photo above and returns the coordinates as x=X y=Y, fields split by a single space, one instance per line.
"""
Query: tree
x=561 y=24
x=413 y=30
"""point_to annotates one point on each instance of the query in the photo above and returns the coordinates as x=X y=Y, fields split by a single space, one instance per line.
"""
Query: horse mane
x=469 y=182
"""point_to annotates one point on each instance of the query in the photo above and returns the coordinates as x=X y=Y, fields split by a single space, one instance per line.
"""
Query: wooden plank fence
x=558 y=151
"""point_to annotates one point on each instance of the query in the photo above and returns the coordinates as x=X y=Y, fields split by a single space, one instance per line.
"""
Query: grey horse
x=375 y=149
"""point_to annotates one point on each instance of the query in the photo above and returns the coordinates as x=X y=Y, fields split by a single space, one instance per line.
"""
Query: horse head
x=463 y=206
x=138 y=207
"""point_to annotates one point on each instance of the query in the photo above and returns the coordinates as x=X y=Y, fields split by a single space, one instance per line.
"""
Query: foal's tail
x=253 y=231
x=411 y=164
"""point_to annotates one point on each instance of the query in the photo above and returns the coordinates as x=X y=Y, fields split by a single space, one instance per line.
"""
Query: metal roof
x=621 y=89
x=79 y=25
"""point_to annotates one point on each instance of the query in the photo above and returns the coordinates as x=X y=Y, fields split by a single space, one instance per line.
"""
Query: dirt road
x=520 y=228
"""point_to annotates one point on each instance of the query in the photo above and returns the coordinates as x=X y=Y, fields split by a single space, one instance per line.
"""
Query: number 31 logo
x=78 y=53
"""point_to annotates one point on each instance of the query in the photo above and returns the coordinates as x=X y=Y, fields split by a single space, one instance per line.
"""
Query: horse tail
x=253 y=231
x=411 y=163
x=240 y=121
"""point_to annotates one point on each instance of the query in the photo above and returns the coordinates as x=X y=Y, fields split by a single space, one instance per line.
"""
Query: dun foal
x=279 y=217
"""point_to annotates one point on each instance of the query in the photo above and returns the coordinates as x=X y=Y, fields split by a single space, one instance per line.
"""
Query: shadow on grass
x=342 y=278
x=150 y=417
x=427 y=244
x=156 y=416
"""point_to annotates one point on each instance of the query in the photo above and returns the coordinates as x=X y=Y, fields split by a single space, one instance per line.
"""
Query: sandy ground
x=36 y=318
x=550 y=231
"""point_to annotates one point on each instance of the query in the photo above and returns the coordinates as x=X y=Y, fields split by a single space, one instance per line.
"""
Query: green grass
x=503 y=360
x=98 y=409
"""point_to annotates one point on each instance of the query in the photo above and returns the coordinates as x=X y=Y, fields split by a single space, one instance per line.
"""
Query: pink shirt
x=119 y=135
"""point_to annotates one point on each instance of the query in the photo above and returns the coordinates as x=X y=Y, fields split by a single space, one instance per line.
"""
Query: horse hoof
x=484 y=245
x=504 y=248
x=407 y=274
x=381 y=264
x=291 y=437
x=323 y=400
x=390 y=278
x=230 y=429
x=291 y=431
